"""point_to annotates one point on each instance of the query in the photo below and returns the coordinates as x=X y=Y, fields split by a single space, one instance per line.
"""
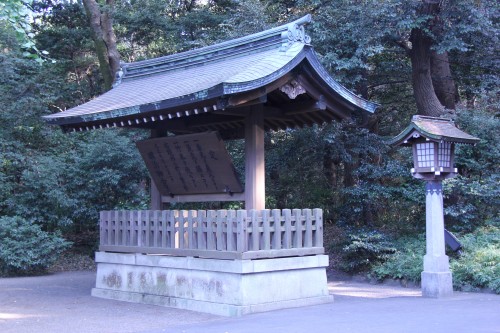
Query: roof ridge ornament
x=119 y=75
x=295 y=33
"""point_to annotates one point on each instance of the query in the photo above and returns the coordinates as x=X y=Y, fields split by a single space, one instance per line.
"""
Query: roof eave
x=357 y=102
x=402 y=138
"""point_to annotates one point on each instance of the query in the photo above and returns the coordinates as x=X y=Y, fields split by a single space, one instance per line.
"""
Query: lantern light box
x=433 y=141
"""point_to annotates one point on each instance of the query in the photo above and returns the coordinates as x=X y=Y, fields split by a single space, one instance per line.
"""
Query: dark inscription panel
x=190 y=164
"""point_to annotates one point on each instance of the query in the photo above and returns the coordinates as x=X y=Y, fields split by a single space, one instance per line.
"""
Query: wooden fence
x=222 y=234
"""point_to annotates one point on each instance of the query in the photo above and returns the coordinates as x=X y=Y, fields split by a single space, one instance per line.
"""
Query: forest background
x=426 y=57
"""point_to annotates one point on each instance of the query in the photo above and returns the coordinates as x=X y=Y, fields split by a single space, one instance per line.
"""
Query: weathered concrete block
x=223 y=287
x=437 y=284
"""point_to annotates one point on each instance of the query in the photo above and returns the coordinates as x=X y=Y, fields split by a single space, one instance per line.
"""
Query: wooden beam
x=309 y=106
x=204 y=197
x=255 y=186
x=243 y=98
x=260 y=100
x=336 y=109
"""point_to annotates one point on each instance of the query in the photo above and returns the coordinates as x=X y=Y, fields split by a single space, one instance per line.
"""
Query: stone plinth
x=222 y=287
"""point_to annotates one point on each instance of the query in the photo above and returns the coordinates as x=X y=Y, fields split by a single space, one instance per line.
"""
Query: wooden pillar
x=255 y=186
x=156 y=203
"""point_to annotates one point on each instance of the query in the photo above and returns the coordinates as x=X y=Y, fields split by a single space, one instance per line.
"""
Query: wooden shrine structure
x=240 y=88
x=223 y=262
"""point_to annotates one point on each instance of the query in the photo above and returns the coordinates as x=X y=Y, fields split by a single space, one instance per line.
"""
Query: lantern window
x=425 y=154
x=444 y=154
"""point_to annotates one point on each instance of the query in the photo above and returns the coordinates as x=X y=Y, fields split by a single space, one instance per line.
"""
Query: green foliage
x=16 y=14
x=58 y=181
x=25 y=248
x=479 y=264
x=364 y=250
x=154 y=28
x=473 y=198
x=406 y=263
x=348 y=172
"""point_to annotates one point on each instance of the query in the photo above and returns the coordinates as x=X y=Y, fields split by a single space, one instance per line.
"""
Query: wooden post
x=156 y=203
x=255 y=186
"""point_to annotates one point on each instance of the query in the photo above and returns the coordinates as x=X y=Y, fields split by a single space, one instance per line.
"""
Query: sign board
x=190 y=164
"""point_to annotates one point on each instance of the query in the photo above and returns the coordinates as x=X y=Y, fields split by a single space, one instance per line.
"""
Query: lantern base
x=432 y=176
x=437 y=284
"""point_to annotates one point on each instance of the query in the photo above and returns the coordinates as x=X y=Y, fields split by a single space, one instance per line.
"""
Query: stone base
x=222 y=287
x=437 y=284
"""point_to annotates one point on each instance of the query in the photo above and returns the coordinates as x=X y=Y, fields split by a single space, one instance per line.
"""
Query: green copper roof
x=202 y=81
x=434 y=129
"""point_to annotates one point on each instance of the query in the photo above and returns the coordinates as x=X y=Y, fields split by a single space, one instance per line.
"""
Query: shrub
x=405 y=264
x=479 y=265
x=364 y=250
x=25 y=248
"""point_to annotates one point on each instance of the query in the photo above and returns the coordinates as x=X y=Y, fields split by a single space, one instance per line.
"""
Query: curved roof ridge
x=434 y=129
x=338 y=87
x=282 y=36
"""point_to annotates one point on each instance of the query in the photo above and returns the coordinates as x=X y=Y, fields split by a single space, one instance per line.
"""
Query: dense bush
x=25 y=248
x=406 y=263
x=364 y=250
x=479 y=264
x=477 y=267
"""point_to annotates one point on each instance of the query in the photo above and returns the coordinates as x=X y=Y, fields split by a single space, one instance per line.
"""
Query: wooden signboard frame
x=191 y=168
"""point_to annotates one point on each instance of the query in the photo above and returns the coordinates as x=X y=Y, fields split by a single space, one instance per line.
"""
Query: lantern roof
x=432 y=129
x=210 y=87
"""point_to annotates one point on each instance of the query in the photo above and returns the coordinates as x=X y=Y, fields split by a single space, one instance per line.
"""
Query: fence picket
x=255 y=229
x=201 y=230
x=181 y=223
x=276 y=243
x=103 y=225
x=190 y=231
x=308 y=236
x=241 y=242
x=164 y=223
x=266 y=232
x=171 y=229
x=287 y=239
x=297 y=241
x=211 y=215
x=220 y=220
x=230 y=231
x=318 y=234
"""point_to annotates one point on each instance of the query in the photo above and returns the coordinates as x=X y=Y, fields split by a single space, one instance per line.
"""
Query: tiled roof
x=211 y=74
x=434 y=129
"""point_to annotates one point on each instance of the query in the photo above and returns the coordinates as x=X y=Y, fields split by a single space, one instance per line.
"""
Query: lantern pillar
x=436 y=277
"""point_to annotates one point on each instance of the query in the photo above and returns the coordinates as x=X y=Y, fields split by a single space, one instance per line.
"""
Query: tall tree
x=426 y=90
x=101 y=24
x=353 y=34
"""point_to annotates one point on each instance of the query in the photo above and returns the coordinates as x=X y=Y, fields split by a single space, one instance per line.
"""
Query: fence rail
x=223 y=234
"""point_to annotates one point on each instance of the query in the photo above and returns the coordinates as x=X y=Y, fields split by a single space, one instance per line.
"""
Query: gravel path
x=61 y=302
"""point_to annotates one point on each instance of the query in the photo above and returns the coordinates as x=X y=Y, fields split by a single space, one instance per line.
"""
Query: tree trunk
x=426 y=99
x=444 y=85
x=101 y=25
x=428 y=103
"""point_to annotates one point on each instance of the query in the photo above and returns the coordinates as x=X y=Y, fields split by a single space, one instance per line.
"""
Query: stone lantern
x=433 y=142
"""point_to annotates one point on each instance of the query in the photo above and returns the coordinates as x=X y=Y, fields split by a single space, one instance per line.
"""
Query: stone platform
x=222 y=287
